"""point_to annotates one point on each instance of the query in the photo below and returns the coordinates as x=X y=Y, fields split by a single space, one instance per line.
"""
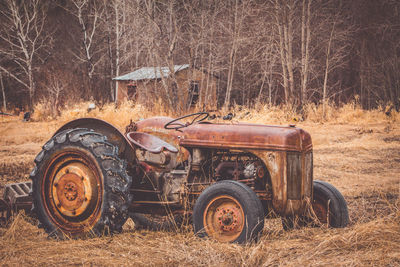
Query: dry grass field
x=357 y=151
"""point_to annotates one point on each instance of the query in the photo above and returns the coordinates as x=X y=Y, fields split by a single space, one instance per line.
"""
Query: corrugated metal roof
x=149 y=73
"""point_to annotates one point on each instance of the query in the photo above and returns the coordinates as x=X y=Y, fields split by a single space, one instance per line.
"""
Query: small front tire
x=328 y=208
x=228 y=212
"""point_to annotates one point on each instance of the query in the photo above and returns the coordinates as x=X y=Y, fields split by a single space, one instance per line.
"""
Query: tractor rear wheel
x=80 y=185
x=230 y=212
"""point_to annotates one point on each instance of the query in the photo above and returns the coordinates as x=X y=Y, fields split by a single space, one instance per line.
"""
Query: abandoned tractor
x=225 y=178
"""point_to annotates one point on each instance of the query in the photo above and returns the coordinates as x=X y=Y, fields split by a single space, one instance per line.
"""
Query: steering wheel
x=174 y=124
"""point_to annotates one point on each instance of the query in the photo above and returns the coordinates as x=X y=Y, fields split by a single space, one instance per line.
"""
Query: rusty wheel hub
x=224 y=218
x=228 y=218
x=72 y=191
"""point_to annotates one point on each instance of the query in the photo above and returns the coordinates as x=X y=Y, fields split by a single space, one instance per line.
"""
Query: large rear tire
x=230 y=212
x=80 y=185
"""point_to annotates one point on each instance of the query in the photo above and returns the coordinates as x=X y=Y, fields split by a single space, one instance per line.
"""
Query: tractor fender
x=114 y=136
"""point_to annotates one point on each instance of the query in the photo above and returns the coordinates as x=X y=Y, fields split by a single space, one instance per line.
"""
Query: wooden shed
x=148 y=85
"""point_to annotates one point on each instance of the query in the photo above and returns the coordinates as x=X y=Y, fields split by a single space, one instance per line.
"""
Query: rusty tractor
x=90 y=178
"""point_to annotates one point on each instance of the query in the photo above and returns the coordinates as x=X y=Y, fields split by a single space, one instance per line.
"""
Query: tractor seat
x=150 y=142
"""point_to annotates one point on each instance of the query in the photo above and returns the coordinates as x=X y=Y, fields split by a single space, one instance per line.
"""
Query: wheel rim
x=320 y=207
x=224 y=219
x=72 y=191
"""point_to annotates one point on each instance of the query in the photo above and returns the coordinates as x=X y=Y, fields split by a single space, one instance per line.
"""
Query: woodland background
x=275 y=60
x=271 y=52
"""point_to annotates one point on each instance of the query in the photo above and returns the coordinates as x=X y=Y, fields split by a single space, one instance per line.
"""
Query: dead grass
x=121 y=115
x=357 y=151
x=372 y=243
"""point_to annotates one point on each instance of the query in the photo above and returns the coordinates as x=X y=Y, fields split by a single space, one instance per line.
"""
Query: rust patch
x=72 y=191
x=275 y=161
x=250 y=136
x=224 y=219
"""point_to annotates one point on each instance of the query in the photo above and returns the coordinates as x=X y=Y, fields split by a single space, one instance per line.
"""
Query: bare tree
x=112 y=41
x=235 y=29
x=89 y=15
x=284 y=22
x=54 y=87
x=24 y=38
x=336 y=50
x=269 y=62
x=305 y=48
x=116 y=35
x=162 y=24
x=133 y=33
x=293 y=51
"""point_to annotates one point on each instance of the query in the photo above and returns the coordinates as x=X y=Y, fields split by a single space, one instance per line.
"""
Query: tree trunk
x=362 y=72
x=279 y=24
x=31 y=86
x=328 y=51
x=232 y=57
x=305 y=47
x=270 y=84
x=261 y=88
x=108 y=77
x=289 y=48
x=3 y=93
x=117 y=43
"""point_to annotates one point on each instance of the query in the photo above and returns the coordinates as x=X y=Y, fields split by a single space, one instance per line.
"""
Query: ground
x=361 y=159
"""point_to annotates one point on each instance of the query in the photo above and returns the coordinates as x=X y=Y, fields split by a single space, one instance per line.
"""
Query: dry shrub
x=267 y=114
x=121 y=115
x=43 y=111
x=350 y=113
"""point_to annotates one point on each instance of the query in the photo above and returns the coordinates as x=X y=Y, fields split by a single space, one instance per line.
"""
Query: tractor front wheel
x=328 y=208
x=230 y=212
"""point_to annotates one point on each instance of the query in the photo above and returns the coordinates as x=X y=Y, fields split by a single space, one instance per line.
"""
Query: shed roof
x=149 y=73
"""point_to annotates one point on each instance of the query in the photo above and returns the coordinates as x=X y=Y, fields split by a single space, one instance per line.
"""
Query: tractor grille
x=299 y=175
x=308 y=166
x=293 y=175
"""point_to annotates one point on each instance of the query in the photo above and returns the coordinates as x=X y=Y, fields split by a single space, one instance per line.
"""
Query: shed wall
x=150 y=91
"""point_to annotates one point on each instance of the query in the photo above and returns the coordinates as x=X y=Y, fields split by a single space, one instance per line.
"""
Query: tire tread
x=116 y=180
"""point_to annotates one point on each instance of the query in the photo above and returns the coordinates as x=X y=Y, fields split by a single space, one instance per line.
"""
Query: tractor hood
x=243 y=135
